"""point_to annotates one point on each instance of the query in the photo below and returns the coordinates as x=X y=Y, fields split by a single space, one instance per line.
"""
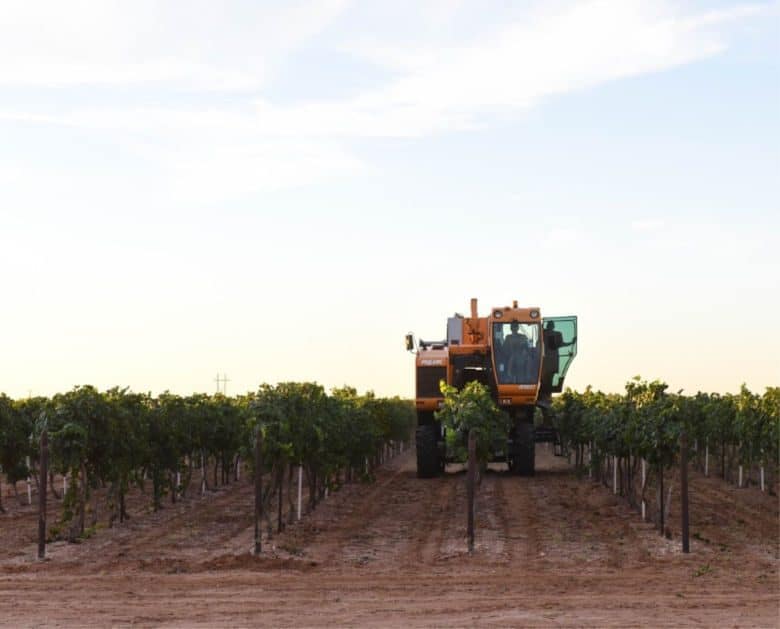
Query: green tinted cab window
x=560 y=348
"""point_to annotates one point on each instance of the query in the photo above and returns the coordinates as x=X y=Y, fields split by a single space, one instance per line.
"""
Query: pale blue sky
x=283 y=191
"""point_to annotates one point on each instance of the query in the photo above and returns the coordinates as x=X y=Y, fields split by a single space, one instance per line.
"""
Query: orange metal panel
x=432 y=358
x=428 y=403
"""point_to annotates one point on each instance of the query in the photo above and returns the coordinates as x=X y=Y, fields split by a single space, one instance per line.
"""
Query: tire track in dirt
x=437 y=519
x=560 y=521
x=519 y=518
x=502 y=519
x=761 y=511
x=584 y=523
x=363 y=524
x=490 y=535
x=202 y=519
x=193 y=526
x=725 y=520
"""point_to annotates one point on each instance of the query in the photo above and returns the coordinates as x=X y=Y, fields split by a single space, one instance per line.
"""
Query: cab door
x=560 y=347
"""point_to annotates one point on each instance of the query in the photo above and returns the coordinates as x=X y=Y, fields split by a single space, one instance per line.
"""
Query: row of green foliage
x=472 y=408
x=117 y=438
x=647 y=422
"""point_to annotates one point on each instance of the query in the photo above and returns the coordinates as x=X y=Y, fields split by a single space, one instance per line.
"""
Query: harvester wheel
x=427 y=451
x=523 y=454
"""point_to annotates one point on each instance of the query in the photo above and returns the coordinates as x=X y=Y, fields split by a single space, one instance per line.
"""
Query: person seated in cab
x=515 y=341
x=516 y=350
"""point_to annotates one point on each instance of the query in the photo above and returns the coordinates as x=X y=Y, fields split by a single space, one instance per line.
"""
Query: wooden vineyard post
x=29 y=484
x=590 y=460
x=614 y=475
x=82 y=497
x=684 y=490
x=300 y=489
x=706 y=458
x=258 y=487
x=44 y=473
x=202 y=474
x=280 y=484
x=644 y=482
x=661 y=496
x=470 y=478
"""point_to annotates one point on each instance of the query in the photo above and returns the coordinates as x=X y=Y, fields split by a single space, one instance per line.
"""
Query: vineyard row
x=120 y=439
x=629 y=440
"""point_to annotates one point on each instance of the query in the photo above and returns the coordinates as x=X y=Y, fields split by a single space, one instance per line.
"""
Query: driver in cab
x=516 y=350
x=515 y=342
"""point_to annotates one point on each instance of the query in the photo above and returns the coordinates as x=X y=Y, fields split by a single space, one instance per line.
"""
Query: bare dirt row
x=552 y=550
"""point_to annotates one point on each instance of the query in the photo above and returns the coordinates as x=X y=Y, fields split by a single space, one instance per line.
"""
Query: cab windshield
x=516 y=351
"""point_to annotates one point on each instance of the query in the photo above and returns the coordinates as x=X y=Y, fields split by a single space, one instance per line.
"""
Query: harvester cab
x=521 y=357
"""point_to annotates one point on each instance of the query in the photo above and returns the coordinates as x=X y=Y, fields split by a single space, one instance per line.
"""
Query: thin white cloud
x=521 y=64
x=259 y=141
x=224 y=172
x=10 y=174
x=562 y=237
x=195 y=44
x=648 y=225
x=55 y=73
x=547 y=53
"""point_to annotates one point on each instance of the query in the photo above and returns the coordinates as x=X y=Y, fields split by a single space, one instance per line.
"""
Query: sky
x=281 y=191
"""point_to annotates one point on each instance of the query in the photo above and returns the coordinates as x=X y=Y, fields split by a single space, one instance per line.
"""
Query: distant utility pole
x=224 y=380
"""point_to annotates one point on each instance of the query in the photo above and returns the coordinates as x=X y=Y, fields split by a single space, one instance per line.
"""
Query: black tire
x=522 y=458
x=428 y=464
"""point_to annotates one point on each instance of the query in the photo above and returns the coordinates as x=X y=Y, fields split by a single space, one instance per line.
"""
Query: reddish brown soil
x=551 y=551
